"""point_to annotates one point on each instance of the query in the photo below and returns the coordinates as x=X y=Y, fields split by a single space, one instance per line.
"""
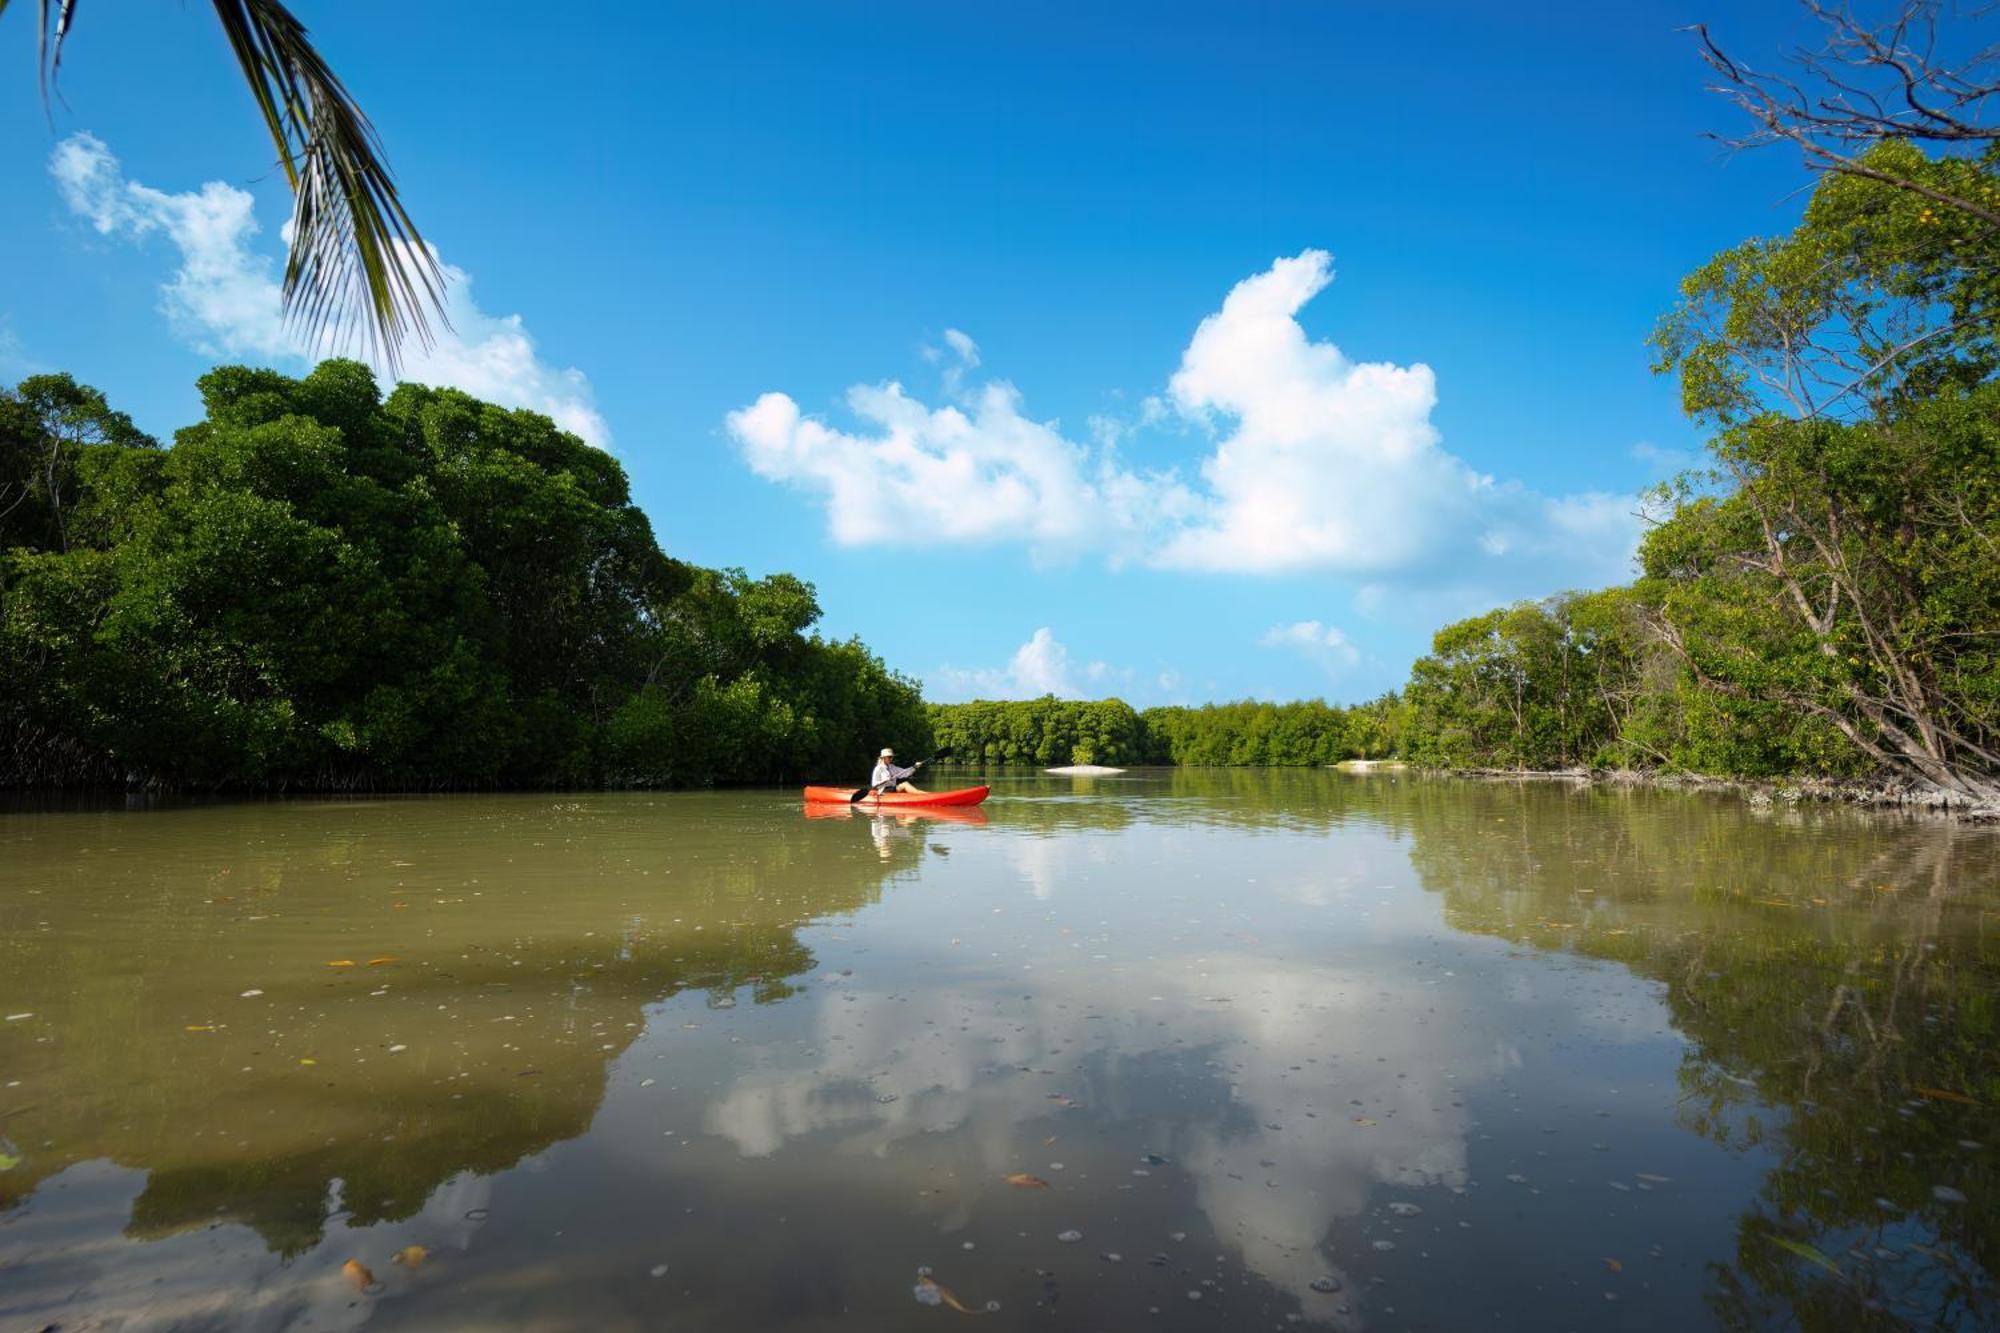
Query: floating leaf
x=357 y=1272
x=411 y=1256
x=341 y=962
x=201 y=1027
x=932 y=1292
x=1022 y=1180
x=385 y=958
x=8 y=1161
x=307 y=1060
x=1614 y=1265
x=1363 y=1120
x=1806 y=1252
x=1945 y=1095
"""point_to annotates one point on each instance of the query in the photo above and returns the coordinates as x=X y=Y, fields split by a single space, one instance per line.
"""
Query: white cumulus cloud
x=974 y=473
x=224 y=298
x=1326 y=463
x=1326 y=645
x=1318 y=463
x=1040 y=666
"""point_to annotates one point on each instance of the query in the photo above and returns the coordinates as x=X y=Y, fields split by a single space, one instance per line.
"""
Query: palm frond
x=356 y=257
x=49 y=38
x=355 y=253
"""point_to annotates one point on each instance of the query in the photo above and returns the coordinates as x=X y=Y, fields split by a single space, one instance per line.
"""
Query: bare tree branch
x=1866 y=85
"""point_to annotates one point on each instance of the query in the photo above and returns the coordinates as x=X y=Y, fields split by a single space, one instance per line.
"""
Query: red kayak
x=887 y=799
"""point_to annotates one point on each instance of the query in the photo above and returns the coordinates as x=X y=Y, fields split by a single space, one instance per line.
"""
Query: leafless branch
x=1863 y=86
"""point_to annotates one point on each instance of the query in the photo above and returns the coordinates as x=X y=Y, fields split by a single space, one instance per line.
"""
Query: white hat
x=887 y=753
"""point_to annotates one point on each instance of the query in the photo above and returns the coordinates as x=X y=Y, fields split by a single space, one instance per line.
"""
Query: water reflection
x=1285 y=1091
x=261 y=1004
x=1837 y=994
x=1455 y=1051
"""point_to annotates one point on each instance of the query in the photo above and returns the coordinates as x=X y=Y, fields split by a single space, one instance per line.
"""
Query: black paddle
x=866 y=792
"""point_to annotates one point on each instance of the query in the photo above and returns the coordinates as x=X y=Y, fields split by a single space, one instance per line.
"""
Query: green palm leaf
x=357 y=261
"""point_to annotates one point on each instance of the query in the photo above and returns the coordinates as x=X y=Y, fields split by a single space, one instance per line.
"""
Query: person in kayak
x=888 y=777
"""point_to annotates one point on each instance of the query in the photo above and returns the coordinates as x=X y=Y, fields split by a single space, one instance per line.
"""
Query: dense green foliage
x=317 y=587
x=1051 y=731
x=1044 y=731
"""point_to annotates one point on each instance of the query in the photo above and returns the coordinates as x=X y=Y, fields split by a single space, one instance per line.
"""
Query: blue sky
x=1104 y=254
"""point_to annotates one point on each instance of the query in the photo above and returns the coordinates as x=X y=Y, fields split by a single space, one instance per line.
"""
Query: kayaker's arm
x=887 y=775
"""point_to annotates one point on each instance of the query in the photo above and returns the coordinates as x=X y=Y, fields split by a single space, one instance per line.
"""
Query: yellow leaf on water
x=1022 y=1180
x=377 y=962
x=1614 y=1265
x=411 y=1256
x=308 y=1060
x=1944 y=1095
x=341 y=962
x=357 y=1272
x=943 y=1295
x=201 y=1027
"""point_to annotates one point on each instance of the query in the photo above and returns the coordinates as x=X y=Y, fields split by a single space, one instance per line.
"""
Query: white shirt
x=886 y=772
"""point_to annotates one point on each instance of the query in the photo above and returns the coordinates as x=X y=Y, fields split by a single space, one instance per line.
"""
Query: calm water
x=1470 y=1056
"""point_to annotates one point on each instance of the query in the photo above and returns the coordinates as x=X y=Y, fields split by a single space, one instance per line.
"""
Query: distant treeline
x=1051 y=731
x=1823 y=599
x=318 y=588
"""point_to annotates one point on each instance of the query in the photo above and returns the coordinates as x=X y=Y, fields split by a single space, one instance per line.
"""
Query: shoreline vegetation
x=1023 y=733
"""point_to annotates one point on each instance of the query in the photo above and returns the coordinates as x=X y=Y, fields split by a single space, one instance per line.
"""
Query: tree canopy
x=319 y=587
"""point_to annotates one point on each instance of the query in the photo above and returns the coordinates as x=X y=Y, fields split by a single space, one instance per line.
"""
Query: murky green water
x=1471 y=1056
